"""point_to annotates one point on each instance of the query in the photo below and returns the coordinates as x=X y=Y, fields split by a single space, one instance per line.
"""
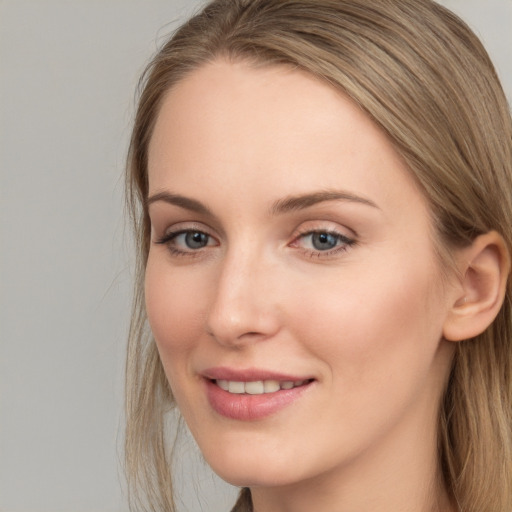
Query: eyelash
x=345 y=243
x=170 y=237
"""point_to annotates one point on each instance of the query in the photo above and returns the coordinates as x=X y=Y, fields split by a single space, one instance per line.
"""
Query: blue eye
x=186 y=241
x=193 y=239
x=324 y=241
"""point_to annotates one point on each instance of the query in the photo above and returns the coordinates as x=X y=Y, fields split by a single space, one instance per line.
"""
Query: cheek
x=381 y=325
x=175 y=308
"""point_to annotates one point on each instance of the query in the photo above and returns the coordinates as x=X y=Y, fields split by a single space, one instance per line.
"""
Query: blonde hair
x=421 y=74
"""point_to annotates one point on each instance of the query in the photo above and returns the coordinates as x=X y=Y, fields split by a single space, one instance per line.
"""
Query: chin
x=250 y=466
x=246 y=474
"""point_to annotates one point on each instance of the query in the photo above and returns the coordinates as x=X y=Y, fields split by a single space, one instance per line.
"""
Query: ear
x=484 y=268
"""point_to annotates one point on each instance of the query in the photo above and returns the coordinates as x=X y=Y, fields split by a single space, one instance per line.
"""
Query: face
x=292 y=285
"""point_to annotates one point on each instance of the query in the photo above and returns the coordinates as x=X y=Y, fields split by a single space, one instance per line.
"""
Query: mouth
x=258 y=387
x=250 y=395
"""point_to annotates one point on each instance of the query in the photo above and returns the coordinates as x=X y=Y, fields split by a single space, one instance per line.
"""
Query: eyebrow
x=178 y=200
x=281 y=206
x=303 y=201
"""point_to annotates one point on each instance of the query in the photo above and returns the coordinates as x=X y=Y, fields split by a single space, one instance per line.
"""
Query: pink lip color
x=245 y=407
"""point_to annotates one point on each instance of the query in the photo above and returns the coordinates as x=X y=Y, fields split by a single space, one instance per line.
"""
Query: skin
x=364 y=319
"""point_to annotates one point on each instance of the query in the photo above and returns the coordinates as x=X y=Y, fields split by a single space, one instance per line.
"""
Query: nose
x=244 y=309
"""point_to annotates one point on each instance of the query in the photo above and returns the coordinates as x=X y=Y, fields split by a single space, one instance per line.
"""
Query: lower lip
x=244 y=407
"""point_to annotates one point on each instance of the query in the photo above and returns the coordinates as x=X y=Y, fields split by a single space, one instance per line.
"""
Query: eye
x=192 y=239
x=322 y=242
x=186 y=241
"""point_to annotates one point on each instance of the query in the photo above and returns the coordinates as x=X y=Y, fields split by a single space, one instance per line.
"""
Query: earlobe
x=484 y=269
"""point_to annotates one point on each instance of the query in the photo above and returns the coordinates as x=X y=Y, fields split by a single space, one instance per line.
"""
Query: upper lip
x=249 y=374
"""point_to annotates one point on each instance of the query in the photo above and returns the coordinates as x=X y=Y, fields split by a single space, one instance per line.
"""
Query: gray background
x=68 y=71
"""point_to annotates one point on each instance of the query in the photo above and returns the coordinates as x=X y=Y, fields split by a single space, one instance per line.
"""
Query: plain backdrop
x=68 y=71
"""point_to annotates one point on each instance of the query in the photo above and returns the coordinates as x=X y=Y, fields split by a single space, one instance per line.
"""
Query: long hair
x=425 y=79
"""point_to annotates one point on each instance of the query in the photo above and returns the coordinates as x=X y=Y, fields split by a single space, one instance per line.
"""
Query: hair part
x=425 y=79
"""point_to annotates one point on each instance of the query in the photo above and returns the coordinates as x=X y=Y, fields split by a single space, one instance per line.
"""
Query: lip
x=249 y=374
x=245 y=407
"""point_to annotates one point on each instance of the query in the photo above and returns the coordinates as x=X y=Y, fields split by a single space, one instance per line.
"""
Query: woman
x=321 y=197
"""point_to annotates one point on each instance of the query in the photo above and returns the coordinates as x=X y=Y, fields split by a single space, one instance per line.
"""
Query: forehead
x=240 y=91
x=230 y=123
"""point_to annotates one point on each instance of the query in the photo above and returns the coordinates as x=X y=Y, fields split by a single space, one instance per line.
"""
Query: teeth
x=236 y=387
x=223 y=384
x=255 y=388
x=258 y=387
x=271 y=386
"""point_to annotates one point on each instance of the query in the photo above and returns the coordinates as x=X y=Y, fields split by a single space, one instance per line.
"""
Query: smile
x=258 y=387
x=252 y=395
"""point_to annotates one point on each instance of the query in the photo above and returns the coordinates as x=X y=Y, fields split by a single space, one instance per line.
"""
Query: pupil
x=196 y=240
x=324 y=241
